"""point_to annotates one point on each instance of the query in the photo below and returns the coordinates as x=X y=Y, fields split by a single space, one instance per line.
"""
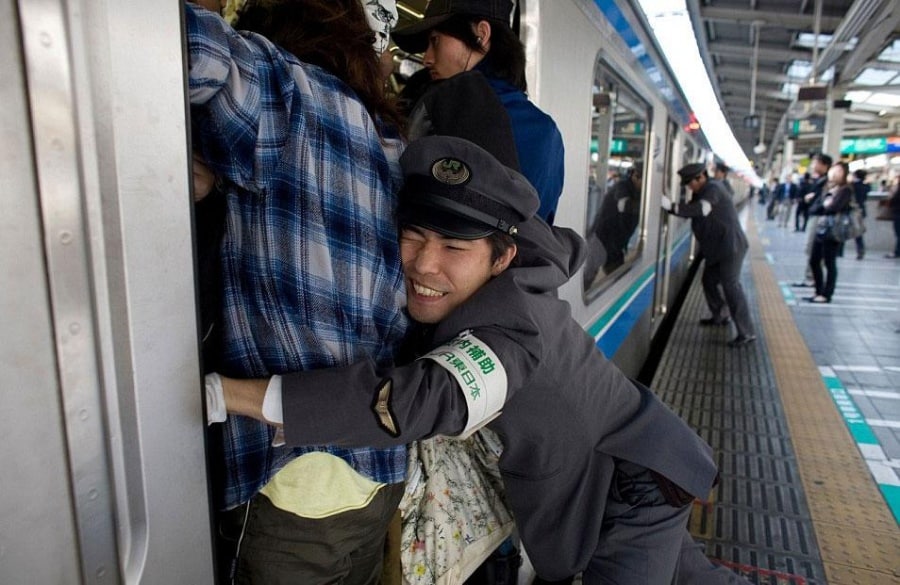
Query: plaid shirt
x=310 y=258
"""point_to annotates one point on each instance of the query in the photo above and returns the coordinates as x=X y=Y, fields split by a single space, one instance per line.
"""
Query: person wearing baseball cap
x=497 y=348
x=723 y=244
x=457 y=36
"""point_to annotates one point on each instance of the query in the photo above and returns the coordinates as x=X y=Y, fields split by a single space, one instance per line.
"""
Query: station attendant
x=599 y=473
x=723 y=244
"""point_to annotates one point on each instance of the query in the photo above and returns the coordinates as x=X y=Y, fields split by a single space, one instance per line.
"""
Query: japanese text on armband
x=480 y=375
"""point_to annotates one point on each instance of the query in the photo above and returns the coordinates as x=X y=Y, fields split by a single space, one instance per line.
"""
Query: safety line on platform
x=865 y=438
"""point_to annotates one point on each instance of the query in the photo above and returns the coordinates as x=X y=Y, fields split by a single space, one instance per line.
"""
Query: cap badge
x=450 y=171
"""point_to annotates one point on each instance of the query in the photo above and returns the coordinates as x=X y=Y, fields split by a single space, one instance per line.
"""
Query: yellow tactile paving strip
x=859 y=540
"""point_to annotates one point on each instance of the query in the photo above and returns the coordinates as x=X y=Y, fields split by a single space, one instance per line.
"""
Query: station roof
x=858 y=52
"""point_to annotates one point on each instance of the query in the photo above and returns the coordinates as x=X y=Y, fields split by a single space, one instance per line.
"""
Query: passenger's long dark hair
x=332 y=34
x=505 y=60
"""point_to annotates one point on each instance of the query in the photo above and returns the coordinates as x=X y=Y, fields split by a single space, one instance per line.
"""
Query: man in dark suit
x=722 y=241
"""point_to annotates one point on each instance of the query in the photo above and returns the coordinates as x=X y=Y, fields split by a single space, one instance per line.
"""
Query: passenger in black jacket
x=599 y=473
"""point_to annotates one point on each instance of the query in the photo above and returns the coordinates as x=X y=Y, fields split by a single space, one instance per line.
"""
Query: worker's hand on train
x=215 y=399
x=665 y=203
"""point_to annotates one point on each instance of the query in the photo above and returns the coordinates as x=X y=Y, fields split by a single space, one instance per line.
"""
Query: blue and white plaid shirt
x=311 y=264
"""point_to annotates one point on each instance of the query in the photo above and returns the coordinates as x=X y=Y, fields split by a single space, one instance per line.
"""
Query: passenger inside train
x=305 y=146
x=461 y=36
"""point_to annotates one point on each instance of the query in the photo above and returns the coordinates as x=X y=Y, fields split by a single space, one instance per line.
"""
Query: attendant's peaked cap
x=458 y=189
x=688 y=172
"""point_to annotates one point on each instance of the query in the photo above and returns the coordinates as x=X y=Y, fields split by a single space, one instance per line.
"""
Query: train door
x=104 y=476
x=663 y=242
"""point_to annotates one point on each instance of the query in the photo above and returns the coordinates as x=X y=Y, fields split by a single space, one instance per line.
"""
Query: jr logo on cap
x=450 y=171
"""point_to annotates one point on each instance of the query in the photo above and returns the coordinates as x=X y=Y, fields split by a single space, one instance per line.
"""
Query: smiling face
x=442 y=273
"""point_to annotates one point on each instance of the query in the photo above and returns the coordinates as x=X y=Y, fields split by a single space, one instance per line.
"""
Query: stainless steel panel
x=36 y=523
x=108 y=126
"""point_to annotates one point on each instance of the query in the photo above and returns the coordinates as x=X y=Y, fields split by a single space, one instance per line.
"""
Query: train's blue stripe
x=615 y=325
x=615 y=17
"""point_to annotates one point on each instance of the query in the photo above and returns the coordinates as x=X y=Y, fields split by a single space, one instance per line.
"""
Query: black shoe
x=714 y=322
x=741 y=340
x=804 y=284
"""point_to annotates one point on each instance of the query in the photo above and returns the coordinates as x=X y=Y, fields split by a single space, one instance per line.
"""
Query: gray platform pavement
x=855 y=339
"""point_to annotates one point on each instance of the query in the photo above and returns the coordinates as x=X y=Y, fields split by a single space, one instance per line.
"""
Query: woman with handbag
x=826 y=245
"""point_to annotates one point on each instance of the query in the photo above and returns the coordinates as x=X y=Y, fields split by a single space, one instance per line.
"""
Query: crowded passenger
x=721 y=174
x=861 y=191
x=723 y=244
x=599 y=473
x=825 y=246
x=802 y=215
x=305 y=147
x=893 y=204
x=466 y=35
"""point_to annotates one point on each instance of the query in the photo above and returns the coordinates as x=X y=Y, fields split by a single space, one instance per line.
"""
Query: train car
x=105 y=474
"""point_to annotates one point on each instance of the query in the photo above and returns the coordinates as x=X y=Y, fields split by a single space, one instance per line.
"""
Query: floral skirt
x=454 y=512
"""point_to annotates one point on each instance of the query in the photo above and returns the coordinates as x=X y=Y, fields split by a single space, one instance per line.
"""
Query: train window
x=620 y=130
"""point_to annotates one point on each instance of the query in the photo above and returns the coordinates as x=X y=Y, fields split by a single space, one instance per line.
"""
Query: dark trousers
x=281 y=548
x=897 y=235
x=642 y=534
x=802 y=215
x=727 y=275
x=824 y=252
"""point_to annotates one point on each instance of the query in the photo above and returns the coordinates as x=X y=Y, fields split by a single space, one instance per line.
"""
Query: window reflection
x=619 y=136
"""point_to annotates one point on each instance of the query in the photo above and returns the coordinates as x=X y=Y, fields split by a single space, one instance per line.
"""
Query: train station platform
x=805 y=422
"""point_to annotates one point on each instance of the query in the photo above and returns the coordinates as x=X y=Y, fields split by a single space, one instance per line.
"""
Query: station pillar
x=834 y=127
x=787 y=163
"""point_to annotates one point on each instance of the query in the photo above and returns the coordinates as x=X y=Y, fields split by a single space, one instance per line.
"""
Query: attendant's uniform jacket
x=569 y=413
x=718 y=233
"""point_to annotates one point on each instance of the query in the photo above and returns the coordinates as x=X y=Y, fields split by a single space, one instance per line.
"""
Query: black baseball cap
x=458 y=189
x=414 y=38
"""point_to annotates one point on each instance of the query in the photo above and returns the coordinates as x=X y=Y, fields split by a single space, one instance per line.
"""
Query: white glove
x=666 y=203
x=215 y=399
x=271 y=406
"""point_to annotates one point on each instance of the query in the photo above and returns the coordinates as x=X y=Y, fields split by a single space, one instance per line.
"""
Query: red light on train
x=693 y=125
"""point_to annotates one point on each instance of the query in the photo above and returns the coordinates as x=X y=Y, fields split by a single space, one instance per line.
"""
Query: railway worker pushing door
x=599 y=473
x=723 y=244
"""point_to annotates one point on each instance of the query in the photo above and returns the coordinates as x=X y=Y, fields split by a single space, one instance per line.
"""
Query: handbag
x=825 y=228
x=842 y=226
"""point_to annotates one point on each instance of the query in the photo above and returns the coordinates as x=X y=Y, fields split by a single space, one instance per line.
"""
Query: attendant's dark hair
x=501 y=242
x=505 y=60
x=333 y=34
